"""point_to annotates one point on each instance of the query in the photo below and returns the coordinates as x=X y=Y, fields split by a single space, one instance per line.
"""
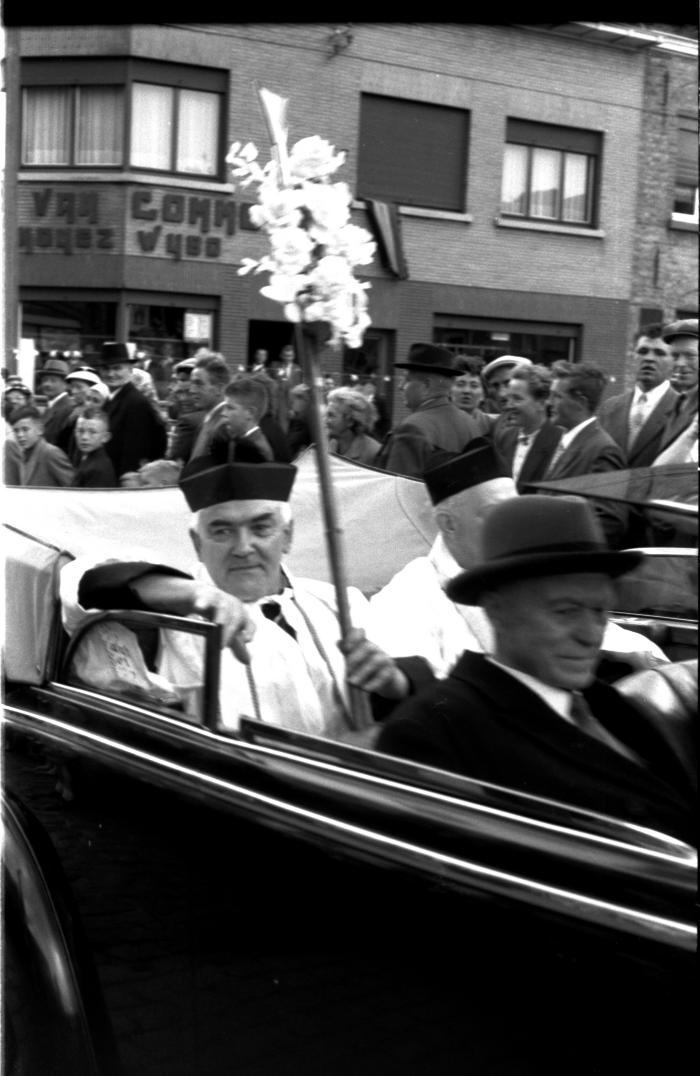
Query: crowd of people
x=505 y=619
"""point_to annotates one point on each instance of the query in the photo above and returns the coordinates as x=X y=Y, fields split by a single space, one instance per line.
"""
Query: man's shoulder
x=614 y=403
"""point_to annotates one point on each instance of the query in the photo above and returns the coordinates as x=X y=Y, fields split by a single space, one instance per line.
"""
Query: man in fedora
x=436 y=429
x=52 y=383
x=530 y=714
x=138 y=434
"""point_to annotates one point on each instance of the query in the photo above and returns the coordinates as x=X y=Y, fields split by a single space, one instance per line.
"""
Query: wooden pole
x=360 y=710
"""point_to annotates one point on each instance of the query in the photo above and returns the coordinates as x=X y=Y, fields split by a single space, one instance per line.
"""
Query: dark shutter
x=413 y=153
x=548 y=136
x=687 y=154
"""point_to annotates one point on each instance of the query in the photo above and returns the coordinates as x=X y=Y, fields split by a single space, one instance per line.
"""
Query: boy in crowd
x=38 y=462
x=95 y=469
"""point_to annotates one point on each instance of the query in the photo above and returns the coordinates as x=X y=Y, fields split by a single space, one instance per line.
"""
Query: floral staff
x=314 y=249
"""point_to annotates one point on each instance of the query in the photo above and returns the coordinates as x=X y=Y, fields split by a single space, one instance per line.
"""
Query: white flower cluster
x=313 y=246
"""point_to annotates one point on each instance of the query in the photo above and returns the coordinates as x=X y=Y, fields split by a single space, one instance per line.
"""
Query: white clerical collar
x=556 y=698
x=568 y=437
x=56 y=399
x=446 y=567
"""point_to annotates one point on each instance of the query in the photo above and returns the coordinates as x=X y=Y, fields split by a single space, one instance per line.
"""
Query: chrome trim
x=679 y=934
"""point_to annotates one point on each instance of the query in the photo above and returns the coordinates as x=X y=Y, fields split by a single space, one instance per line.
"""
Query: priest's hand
x=370 y=668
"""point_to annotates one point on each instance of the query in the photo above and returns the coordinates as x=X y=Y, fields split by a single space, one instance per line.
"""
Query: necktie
x=273 y=611
x=556 y=456
x=584 y=720
x=637 y=417
x=679 y=404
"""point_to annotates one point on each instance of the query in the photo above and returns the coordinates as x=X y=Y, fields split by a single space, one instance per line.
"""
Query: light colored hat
x=103 y=390
x=88 y=376
x=504 y=360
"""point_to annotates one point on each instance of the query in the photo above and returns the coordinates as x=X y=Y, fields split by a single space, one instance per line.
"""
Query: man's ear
x=288 y=535
x=196 y=542
x=445 y=521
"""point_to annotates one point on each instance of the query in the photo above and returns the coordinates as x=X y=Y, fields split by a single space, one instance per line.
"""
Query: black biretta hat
x=477 y=465
x=431 y=359
x=205 y=483
x=537 y=536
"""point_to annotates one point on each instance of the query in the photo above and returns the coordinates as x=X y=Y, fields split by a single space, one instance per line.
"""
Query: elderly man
x=436 y=429
x=585 y=447
x=528 y=442
x=530 y=715
x=636 y=419
x=464 y=491
x=294 y=673
x=138 y=432
x=58 y=416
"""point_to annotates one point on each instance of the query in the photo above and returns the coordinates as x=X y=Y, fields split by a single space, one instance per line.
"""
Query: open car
x=589 y=872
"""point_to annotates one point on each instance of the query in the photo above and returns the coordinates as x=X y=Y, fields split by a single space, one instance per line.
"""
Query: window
x=550 y=173
x=122 y=113
x=685 y=195
x=487 y=338
x=413 y=153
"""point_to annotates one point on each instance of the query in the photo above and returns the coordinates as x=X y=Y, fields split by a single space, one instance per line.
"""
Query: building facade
x=514 y=163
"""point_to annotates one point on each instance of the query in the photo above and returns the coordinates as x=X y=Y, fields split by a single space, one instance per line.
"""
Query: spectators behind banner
x=94 y=468
x=299 y=434
x=37 y=463
x=349 y=418
x=468 y=392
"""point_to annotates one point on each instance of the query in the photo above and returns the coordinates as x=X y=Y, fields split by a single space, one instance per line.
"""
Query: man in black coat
x=531 y=715
x=138 y=434
x=527 y=445
x=60 y=406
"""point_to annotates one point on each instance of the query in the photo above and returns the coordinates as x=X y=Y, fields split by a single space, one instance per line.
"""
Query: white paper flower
x=291 y=249
x=313 y=158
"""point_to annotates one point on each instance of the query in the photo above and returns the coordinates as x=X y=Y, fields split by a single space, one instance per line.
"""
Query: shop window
x=487 y=339
x=412 y=153
x=550 y=173
x=122 y=113
x=685 y=194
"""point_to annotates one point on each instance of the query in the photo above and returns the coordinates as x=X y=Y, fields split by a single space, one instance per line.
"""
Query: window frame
x=123 y=72
x=533 y=135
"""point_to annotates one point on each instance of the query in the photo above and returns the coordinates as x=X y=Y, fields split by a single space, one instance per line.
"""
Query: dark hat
x=431 y=359
x=686 y=327
x=113 y=353
x=54 y=366
x=205 y=483
x=503 y=360
x=535 y=536
x=477 y=465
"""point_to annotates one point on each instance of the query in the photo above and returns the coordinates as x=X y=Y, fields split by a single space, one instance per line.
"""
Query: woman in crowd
x=468 y=392
x=349 y=417
x=16 y=395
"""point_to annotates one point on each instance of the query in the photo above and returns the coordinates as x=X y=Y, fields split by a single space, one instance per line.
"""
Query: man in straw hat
x=530 y=714
x=436 y=429
x=463 y=492
x=293 y=673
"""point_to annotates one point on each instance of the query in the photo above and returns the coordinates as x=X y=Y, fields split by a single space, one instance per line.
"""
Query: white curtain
x=198 y=125
x=514 y=186
x=100 y=125
x=545 y=182
x=46 y=125
x=151 y=125
x=575 y=203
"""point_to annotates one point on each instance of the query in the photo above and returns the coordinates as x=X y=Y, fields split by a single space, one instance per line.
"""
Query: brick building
x=519 y=160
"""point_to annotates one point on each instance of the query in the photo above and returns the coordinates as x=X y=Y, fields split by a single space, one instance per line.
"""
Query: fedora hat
x=430 y=359
x=503 y=360
x=114 y=352
x=686 y=327
x=53 y=367
x=535 y=536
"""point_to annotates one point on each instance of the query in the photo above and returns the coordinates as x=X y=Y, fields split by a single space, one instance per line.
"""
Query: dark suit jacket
x=46 y=466
x=138 y=434
x=95 y=471
x=184 y=434
x=433 y=433
x=680 y=420
x=614 y=417
x=537 y=460
x=483 y=723
x=594 y=451
x=57 y=422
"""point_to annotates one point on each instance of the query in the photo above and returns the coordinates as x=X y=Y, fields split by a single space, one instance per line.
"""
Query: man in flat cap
x=530 y=714
x=682 y=338
x=138 y=434
x=412 y=614
x=294 y=673
x=436 y=429
x=496 y=377
x=57 y=418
